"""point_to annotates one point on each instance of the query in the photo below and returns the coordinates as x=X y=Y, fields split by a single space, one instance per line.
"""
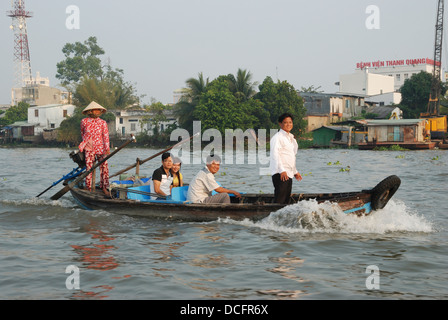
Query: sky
x=161 y=44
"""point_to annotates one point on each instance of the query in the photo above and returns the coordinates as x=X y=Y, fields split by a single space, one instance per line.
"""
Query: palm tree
x=184 y=109
x=242 y=86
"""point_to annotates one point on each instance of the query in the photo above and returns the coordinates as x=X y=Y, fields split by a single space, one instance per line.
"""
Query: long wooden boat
x=250 y=206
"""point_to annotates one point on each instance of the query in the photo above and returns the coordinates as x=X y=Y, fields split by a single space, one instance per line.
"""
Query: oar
x=85 y=174
x=153 y=156
x=74 y=173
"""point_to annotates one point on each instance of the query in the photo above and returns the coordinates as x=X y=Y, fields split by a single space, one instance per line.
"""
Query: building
x=406 y=133
x=326 y=108
x=380 y=81
x=136 y=121
x=342 y=136
x=37 y=92
x=399 y=70
x=366 y=83
x=37 y=95
x=18 y=131
x=48 y=117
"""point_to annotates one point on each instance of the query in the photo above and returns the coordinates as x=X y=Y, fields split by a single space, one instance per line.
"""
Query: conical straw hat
x=92 y=106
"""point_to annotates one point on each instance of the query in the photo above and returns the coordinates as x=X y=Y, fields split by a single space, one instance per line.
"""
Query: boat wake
x=65 y=203
x=312 y=217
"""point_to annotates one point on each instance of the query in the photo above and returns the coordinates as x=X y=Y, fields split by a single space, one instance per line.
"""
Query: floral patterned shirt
x=95 y=135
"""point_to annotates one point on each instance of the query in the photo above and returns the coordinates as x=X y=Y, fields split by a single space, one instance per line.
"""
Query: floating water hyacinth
x=435 y=158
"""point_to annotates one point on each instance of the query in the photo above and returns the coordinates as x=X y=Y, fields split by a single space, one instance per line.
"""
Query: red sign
x=393 y=63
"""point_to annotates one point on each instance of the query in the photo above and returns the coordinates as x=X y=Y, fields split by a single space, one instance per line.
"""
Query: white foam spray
x=312 y=217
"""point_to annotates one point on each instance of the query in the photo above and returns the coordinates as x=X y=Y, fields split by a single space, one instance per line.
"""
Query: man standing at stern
x=283 y=159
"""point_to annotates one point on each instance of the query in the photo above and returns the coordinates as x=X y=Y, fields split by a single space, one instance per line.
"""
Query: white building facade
x=399 y=70
x=48 y=117
x=380 y=81
x=138 y=121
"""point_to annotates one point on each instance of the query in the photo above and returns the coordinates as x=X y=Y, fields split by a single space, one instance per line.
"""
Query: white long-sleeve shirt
x=283 y=153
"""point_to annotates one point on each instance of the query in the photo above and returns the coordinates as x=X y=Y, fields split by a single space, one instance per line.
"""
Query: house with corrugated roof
x=406 y=133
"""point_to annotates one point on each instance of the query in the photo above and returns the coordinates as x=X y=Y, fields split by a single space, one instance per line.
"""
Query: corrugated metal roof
x=335 y=128
x=399 y=122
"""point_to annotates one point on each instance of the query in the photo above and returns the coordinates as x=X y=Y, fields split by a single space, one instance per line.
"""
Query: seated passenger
x=162 y=177
x=202 y=185
x=178 y=180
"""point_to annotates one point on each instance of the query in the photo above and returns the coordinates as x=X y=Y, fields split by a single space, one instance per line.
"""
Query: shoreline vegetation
x=304 y=143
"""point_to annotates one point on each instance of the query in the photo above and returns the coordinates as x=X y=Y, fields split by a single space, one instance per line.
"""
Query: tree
x=15 y=113
x=111 y=91
x=218 y=108
x=81 y=60
x=242 y=86
x=415 y=94
x=158 y=114
x=185 y=108
x=281 y=97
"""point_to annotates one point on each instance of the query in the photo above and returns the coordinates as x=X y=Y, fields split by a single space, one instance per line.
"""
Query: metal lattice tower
x=434 y=103
x=22 y=62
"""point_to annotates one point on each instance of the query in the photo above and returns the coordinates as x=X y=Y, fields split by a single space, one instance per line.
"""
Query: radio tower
x=22 y=63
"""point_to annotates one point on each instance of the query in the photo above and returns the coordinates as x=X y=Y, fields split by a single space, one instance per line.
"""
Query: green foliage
x=110 y=92
x=184 y=109
x=81 y=60
x=158 y=111
x=231 y=102
x=415 y=94
x=83 y=74
x=281 y=97
x=15 y=113
x=394 y=147
x=219 y=108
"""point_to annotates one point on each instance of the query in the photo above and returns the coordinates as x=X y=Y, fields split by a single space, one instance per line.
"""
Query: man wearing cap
x=95 y=143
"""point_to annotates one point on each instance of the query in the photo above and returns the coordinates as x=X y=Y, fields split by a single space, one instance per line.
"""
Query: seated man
x=202 y=185
x=162 y=177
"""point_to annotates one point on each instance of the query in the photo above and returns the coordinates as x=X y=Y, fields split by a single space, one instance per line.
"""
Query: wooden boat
x=250 y=206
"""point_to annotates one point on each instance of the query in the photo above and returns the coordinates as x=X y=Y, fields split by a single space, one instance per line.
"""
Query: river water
x=399 y=252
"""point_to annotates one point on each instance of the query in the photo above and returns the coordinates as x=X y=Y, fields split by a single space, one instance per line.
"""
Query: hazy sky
x=160 y=44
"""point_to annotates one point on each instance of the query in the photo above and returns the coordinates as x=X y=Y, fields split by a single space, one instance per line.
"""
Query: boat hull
x=250 y=206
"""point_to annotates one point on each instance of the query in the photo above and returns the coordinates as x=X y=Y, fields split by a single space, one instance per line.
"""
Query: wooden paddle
x=77 y=180
x=139 y=162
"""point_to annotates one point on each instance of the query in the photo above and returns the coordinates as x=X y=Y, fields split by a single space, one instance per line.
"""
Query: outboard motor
x=79 y=158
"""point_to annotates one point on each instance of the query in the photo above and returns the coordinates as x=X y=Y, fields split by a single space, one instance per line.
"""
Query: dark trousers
x=282 y=189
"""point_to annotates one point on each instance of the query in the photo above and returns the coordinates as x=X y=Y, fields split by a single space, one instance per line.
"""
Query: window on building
x=36 y=113
x=121 y=120
x=133 y=127
x=406 y=75
x=398 y=77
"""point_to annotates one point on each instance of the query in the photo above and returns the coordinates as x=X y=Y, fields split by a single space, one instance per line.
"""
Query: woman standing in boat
x=283 y=159
x=95 y=143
